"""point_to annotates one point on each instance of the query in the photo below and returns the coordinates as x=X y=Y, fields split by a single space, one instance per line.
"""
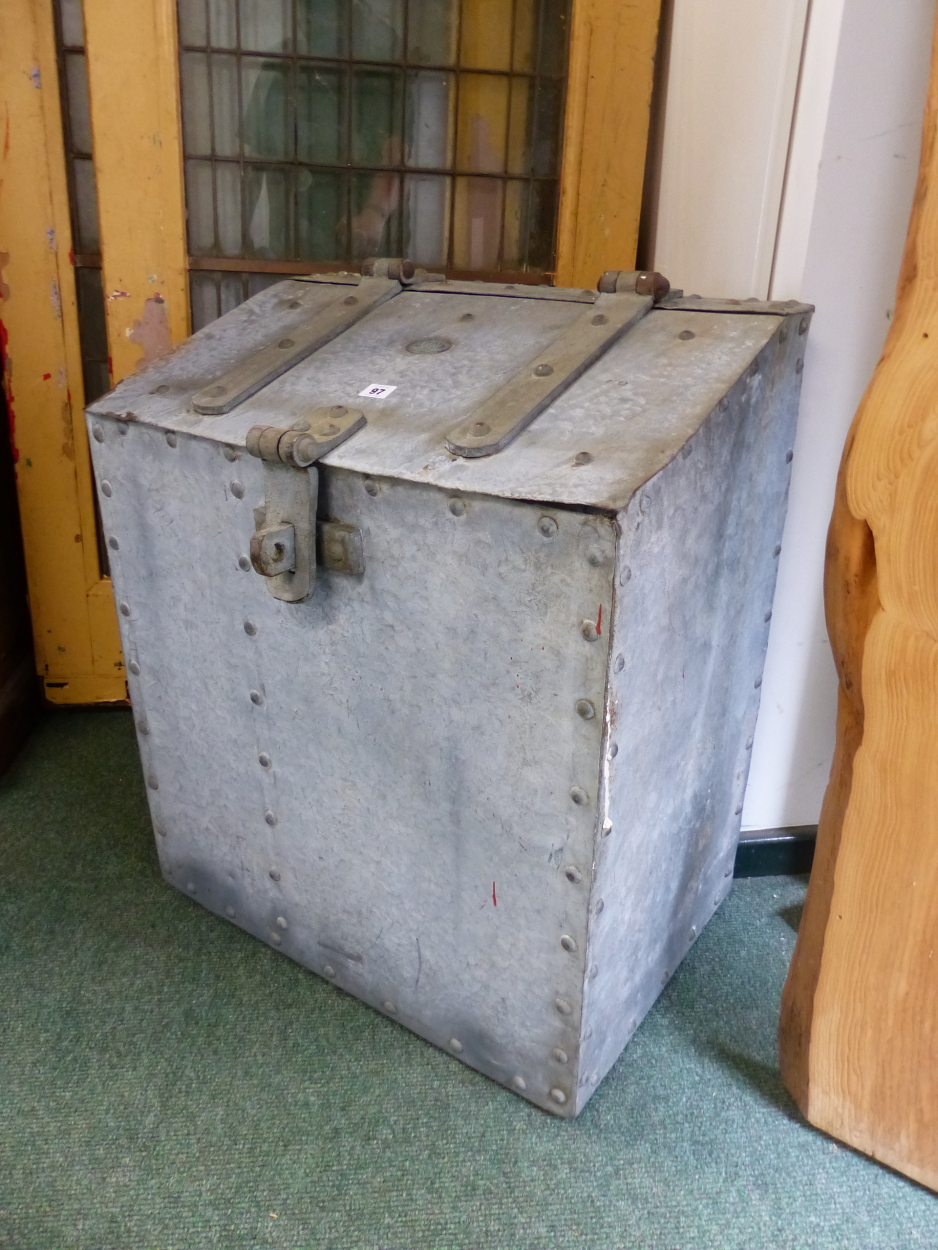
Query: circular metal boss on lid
x=429 y=347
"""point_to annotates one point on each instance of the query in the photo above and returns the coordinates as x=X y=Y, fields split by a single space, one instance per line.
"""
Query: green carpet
x=166 y=1081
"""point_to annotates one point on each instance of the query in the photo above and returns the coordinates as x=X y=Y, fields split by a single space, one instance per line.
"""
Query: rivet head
x=585 y=709
x=588 y=630
x=171 y=439
x=230 y=454
x=270 y=818
x=302 y=426
x=113 y=543
x=579 y=796
x=767 y=618
x=738 y=811
x=257 y=698
x=480 y=428
x=543 y=371
x=568 y=943
x=644 y=503
x=276 y=938
x=467 y=317
x=799 y=366
x=143 y=726
x=281 y=923
x=563 y=1006
x=559 y=1055
x=244 y=564
x=789 y=456
x=229 y=912
x=776 y=551
x=122 y=427
x=274 y=874
x=613 y=751
x=687 y=335
x=237 y=490
x=286 y=344
x=106 y=489
x=625 y=575
x=748 y=744
x=350 y=300
x=583 y=457
x=371 y=488
x=519 y=1082
x=619 y=664
x=329 y=971
x=98 y=433
x=599 y=908
x=607 y=827
x=134 y=668
x=264 y=760
x=153 y=781
x=594 y=972
x=457 y=507
x=558 y=1096
x=757 y=683
x=547 y=526
x=388 y=1006
x=250 y=628
x=595 y=558
x=572 y=873
x=454 y=1043
x=803 y=325
x=125 y=609
x=216 y=391
x=600 y=320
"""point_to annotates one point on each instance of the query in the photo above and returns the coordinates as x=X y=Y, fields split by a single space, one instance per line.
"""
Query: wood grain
x=858 y=1036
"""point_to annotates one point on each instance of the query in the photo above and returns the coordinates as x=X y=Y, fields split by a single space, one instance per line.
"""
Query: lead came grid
x=332 y=130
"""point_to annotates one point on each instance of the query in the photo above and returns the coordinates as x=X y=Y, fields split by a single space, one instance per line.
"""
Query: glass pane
x=196 y=114
x=483 y=123
x=86 y=207
x=200 y=208
x=485 y=36
x=258 y=282
x=518 y=158
x=431 y=32
x=226 y=109
x=525 y=35
x=426 y=218
x=541 y=224
x=321 y=215
x=320 y=115
x=266 y=25
x=268 y=125
x=73 y=31
x=545 y=137
x=552 y=47
x=232 y=291
x=376 y=218
x=228 y=207
x=377 y=29
x=268 y=212
x=79 y=112
x=321 y=27
x=193 y=23
x=92 y=332
x=222 y=23
x=429 y=122
x=477 y=224
x=377 y=117
x=203 y=297
x=514 y=238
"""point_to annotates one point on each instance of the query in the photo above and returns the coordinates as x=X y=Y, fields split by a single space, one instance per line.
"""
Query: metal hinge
x=284 y=543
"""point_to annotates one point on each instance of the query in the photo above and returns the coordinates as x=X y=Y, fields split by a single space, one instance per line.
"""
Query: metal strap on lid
x=513 y=407
x=249 y=375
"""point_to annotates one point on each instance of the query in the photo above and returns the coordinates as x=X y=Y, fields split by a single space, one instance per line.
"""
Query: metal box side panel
x=390 y=782
x=696 y=569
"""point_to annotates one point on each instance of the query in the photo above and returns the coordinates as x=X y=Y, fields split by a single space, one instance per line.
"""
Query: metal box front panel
x=396 y=781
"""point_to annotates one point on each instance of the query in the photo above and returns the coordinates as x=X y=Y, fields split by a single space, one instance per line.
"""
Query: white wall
x=837 y=231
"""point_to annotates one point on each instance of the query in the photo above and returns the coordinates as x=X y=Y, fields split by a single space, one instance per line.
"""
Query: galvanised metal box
x=444 y=609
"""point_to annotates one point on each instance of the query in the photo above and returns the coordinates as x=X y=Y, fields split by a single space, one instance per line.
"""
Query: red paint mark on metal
x=494 y=899
x=6 y=136
x=71 y=256
x=46 y=377
x=8 y=389
x=599 y=620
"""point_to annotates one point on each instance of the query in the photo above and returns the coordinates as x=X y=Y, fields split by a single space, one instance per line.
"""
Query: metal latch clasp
x=283 y=546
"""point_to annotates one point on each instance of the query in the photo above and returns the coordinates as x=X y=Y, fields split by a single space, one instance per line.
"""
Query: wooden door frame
x=133 y=75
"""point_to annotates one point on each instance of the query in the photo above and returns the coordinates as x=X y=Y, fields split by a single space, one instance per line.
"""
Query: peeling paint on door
x=151 y=331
